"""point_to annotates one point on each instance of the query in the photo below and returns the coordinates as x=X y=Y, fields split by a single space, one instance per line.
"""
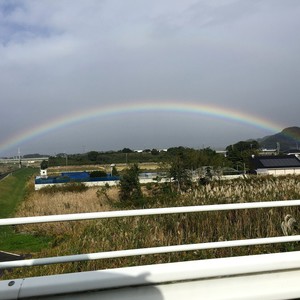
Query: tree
x=130 y=188
x=44 y=165
x=92 y=155
x=114 y=171
x=126 y=150
x=154 y=152
x=240 y=152
x=180 y=174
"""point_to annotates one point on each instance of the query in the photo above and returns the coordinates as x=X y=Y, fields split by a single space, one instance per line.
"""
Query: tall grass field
x=69 y=238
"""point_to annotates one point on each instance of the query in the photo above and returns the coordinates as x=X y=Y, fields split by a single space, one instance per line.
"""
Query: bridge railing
x=264 y=276
x=147 y=251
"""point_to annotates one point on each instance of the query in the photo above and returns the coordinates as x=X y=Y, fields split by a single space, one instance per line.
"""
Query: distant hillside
x=288 y=138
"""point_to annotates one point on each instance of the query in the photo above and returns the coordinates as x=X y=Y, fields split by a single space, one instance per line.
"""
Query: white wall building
x=275 y=165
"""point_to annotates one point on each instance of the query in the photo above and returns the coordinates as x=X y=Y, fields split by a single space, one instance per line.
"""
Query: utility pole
x=19 y=157
x=111 y=169
x=66 y=157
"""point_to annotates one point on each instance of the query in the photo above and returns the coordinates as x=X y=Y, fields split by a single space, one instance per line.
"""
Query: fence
x=187 y=276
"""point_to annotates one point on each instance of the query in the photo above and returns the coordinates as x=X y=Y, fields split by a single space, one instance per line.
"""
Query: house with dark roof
x=295 y=152
x=275 y=165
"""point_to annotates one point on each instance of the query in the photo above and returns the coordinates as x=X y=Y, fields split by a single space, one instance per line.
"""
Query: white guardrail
x=265 y=276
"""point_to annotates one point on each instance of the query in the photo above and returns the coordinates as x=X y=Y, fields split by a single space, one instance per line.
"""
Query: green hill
x=287 y=139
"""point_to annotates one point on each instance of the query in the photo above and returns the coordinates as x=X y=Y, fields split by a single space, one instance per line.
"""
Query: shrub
x=130 y=188
x=73 y=187
x=99 y=173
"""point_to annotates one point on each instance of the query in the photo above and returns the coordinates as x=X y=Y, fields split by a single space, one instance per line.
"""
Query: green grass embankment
x=12 y=192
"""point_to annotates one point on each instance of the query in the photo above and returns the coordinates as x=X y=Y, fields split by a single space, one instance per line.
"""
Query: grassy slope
x=12 y=192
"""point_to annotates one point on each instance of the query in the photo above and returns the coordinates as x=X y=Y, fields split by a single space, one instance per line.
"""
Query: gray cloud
x=58 y=57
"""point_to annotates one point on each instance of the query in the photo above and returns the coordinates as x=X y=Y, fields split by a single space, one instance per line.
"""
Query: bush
x=130 y=188
x=72 y=187
x=99 y=173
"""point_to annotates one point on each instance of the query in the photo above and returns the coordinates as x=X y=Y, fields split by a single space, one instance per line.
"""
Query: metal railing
x=153 y=250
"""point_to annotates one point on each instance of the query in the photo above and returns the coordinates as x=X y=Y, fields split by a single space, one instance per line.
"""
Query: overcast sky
x=63 y=57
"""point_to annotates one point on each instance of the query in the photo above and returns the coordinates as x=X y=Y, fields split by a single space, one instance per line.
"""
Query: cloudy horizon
x=59 y=58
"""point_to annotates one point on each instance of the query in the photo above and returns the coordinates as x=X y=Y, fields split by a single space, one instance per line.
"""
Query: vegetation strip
x=147 y=251
x=147 y=212
x=116 y=234
x=12 y=192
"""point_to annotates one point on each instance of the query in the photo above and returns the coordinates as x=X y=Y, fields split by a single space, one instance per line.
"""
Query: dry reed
x=151 y=231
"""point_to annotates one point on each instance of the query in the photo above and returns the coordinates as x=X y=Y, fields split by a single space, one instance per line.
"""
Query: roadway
x=6 y=256
x=3 y=175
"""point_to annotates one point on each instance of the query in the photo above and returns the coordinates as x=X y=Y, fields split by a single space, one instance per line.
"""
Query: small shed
x=43 y=173
x=275 y=165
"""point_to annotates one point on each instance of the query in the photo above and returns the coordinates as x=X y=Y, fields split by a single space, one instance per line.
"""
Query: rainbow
x=134 y=107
